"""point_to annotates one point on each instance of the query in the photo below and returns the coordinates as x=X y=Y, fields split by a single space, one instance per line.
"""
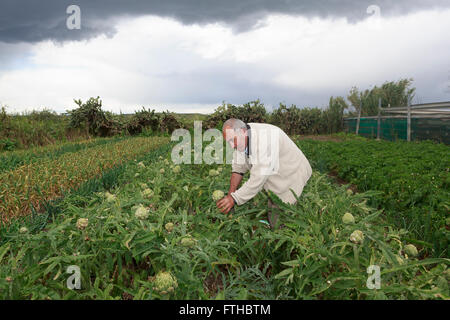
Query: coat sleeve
x=251 y=187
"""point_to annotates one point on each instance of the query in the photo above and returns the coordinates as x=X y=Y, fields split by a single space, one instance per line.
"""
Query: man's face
x=235 y=139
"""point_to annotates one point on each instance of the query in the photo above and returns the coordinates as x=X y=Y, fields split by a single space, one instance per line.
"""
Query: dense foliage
x=253 y=111
x=23 y=189
x=172 y=243
x=36 y=128
x=89 y=115
x=292 y=120
x=413 y=178
x=393 y=94
x=88 y=120
x=310 y=120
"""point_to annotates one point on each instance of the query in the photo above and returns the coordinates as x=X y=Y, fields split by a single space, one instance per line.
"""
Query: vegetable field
x=413 y=180
x=140 y=227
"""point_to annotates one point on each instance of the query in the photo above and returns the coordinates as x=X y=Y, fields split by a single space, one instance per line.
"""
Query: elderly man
x=273 y=159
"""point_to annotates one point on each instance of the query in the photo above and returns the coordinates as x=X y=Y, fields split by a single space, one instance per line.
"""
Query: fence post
x=379 y=119
x=408 y=129
x=359 y=116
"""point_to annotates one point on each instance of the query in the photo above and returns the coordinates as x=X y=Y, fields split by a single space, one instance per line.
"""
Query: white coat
x=275 y=163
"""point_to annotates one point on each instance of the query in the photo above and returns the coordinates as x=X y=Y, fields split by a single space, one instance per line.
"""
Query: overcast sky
x=190 y=55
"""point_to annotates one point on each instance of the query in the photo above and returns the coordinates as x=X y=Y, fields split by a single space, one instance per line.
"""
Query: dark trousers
x=272 y=215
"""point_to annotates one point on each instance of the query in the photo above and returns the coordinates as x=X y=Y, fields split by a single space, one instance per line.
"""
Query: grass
x=36 y=128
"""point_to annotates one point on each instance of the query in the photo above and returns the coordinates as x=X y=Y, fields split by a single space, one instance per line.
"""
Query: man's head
x=234 y=132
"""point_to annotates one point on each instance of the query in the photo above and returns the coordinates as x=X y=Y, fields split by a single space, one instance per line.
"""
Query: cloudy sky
x=190 y=55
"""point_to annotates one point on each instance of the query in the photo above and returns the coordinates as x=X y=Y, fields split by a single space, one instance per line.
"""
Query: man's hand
x=225 y=204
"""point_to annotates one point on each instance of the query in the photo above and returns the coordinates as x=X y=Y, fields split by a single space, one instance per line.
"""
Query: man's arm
x=227 y=203
x=249 y=189
x=235 y=180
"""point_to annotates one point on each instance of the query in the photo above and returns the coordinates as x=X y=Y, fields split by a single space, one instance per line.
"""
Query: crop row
x=159 y=235
x=413 y=178
x=11 y=160
x=25 y=188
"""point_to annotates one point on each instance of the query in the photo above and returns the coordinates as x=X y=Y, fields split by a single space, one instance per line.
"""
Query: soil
x=213 y=284
x=333 y=175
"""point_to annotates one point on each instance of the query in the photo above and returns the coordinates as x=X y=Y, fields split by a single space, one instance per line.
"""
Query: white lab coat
x=276 y=170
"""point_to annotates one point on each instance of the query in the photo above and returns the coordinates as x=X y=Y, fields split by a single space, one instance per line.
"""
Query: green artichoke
x=217 y=195
x=176 y=169
x=23 y=230
x=213 y=173
x=164 y=282
x=357 y=236
x=147 y=193
x=169 y=226
x=411 y=250
x=141 y=213
x=187 y=242
x=82 y=223
x=348 y=218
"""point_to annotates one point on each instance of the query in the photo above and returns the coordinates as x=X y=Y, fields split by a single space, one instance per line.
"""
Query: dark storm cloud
x=32 y=20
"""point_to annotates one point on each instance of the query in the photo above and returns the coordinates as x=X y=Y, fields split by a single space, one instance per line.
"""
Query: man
x=273 y=159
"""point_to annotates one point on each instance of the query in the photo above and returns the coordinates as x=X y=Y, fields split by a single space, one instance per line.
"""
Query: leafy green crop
x=186 y=249
x=413 y=178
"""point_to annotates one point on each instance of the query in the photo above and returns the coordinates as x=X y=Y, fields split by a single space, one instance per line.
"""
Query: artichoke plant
x=348 y=218
x=411 y=250
x=176 y=169
x=188 y=242
x=141 y=213
x=164 y=282
x=357 y=236
x=169 y=226
x=217 y=195
x=23 y=230
x=82 y=223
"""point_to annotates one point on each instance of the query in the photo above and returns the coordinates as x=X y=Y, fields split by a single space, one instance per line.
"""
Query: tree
x=394 y=94
x=91 y=116
x=335 y=113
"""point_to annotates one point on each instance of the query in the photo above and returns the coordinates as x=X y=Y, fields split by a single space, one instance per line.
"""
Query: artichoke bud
x=411 y=250
x=217 y=195
x=357 y=236
x=348 y=218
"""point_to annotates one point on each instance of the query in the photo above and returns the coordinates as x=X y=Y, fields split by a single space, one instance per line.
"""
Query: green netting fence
x=394 y=129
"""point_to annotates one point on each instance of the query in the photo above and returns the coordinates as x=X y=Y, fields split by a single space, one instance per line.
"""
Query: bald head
x=234 y=124
x=234 y=132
